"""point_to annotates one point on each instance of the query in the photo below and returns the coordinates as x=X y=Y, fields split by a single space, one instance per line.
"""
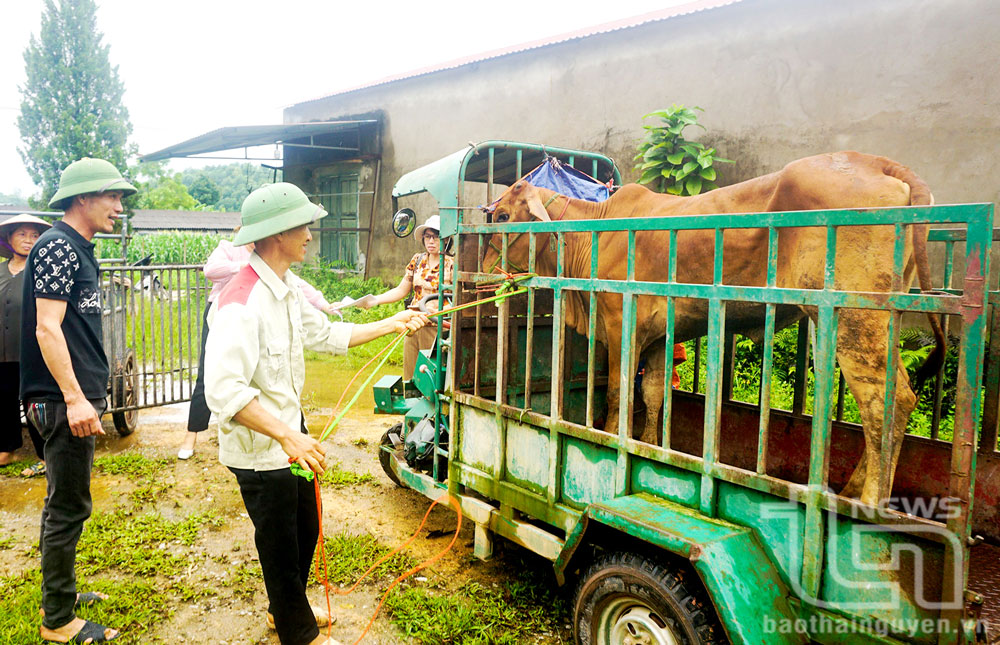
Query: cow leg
x=614 y=378
x=863 y=355
x=652 y=392
x=861 y=484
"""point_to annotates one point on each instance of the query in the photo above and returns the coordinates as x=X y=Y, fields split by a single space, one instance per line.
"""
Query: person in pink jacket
x=224 y=263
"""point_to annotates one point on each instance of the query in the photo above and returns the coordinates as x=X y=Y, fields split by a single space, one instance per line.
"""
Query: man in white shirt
x=254 y=372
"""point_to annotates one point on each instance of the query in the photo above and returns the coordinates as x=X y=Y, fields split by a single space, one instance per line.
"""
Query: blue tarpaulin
x=565 y=180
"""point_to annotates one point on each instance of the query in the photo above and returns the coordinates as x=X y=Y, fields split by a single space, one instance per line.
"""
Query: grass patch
x=134 y=607
x=143 y=545
x=518 y=611
x=141 y=469
x=14 y=468
x=348 y=556
x=133 y=465
x=336 y=477
x=245 y=580
x=360 y=442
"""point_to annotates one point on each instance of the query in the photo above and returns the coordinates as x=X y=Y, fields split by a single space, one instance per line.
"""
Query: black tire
x=125 y=392
x=385 y=457
x=630 y=598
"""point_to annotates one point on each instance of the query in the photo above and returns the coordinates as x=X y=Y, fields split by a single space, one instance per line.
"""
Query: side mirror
x=403 y=222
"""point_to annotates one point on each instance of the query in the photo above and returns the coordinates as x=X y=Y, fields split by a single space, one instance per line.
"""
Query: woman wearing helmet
x=421 y=279
x=17 y=236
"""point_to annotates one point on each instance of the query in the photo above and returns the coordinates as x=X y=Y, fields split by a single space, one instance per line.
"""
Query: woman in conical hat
x=17 y=236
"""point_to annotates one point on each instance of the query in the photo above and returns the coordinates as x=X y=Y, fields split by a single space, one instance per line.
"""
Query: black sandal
x=92 y=633
x=89 y=598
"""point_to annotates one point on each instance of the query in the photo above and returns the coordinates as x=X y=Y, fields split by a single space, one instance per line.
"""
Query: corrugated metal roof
x=242 y=136
x=624 y=23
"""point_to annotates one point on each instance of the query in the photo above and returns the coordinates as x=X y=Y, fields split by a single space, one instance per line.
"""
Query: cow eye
x=502 y=217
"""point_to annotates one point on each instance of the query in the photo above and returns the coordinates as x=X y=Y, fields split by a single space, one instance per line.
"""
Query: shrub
x=671 y=163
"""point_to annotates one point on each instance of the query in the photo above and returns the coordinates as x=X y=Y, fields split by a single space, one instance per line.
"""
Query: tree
x=205 y=191
x=159 y=190
x=235 y=181
x=71 y=102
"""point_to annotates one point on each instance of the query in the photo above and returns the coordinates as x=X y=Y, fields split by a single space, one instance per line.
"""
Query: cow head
x=520 y=203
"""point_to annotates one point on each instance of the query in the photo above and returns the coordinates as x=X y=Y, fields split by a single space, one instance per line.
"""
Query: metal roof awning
x=299 y=135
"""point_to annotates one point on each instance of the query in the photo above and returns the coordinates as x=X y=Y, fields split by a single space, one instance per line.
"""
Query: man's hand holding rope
x=409 y=321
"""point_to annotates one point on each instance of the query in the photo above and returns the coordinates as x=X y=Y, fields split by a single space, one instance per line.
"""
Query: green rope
x=388 y=352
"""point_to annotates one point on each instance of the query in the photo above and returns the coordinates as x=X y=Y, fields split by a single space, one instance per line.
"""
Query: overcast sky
x=192 y=66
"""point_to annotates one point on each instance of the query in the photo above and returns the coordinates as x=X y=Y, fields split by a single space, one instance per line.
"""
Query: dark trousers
x=199 y=414
x=282 y=508
x=68 y=462
x=10 y=412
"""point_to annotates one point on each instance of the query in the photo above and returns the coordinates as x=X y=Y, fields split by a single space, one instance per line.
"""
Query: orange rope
x=325 y=579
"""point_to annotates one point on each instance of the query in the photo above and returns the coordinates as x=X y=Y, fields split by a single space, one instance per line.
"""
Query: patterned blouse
x=425 y=277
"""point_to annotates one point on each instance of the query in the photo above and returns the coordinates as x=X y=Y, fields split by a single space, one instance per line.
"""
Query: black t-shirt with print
x=62 y=266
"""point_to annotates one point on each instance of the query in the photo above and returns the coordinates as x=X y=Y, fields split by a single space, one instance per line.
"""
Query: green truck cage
x=728 y=530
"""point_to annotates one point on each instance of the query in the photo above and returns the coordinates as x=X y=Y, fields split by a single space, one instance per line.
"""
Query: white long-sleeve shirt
x=258 y=328
x=226 y=261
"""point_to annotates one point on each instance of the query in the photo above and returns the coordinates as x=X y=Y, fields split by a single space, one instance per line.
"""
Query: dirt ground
x=387 y=512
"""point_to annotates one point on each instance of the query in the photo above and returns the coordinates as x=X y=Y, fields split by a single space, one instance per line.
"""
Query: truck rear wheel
x=630 y=599
x=384 y=457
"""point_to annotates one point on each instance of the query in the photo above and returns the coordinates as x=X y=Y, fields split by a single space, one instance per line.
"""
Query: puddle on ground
x=28 y=495
x=325 y=383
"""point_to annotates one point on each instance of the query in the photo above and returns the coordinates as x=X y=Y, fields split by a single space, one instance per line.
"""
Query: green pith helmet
x=273 y=209
x=89 y=176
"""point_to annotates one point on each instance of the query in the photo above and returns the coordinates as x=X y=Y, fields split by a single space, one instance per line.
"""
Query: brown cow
x=863 y=263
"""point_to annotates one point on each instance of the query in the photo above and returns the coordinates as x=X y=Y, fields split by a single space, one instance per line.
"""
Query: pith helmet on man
x=86 y=176
x=273 y=209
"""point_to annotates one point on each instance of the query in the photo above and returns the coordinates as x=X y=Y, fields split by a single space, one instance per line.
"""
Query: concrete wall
x=914 y=80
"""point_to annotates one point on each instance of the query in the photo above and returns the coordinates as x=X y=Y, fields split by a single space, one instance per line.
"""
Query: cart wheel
x=630 y=598
x=125 y=393
x=385 y=457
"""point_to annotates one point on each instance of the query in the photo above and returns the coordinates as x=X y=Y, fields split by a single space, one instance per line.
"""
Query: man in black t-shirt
x=64 y=379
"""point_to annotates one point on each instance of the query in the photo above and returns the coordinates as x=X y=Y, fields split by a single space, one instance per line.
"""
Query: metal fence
x=153 y=317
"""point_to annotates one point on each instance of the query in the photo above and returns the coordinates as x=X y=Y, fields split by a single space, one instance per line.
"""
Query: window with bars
x=338 y=231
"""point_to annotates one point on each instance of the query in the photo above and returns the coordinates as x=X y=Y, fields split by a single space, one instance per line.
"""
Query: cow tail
x=920 y=195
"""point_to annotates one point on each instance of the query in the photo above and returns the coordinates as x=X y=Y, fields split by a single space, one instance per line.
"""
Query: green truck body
x=733 y=509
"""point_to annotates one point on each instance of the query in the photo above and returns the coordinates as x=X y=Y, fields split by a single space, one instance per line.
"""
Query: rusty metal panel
x=527 y=456
x=666 y=481
x=588 y=473
x=480 y=445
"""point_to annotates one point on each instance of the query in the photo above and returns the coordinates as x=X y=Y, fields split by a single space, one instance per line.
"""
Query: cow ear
x=537 y=210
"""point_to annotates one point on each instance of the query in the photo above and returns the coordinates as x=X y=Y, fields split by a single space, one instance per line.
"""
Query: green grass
x=14 y=468
x=138 y=545
x=132 y=464
x=150 y=486
x=336 y=477
x=135 y=559
x=348 y=556
x=244 y=581
x=517 y=611
x=134 y=607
